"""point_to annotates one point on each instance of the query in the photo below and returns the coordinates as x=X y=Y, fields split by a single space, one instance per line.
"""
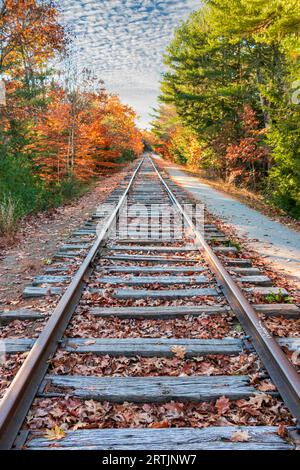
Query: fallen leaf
x=79 y=425
x=222 y=405
x=240 y=436
x=266 y=386
x=55 y=434
x=160 y=424
x=282 y=430
x=179 y=351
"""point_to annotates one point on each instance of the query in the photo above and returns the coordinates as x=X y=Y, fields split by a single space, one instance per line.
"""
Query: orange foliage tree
x=105 y=132
x=248 y=159
x=58 y=131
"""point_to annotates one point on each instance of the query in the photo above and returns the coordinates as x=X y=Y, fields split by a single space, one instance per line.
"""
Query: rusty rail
x=19 y=396
x=280 y=369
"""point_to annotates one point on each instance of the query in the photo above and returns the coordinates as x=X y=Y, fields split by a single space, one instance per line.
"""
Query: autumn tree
x=59 y=128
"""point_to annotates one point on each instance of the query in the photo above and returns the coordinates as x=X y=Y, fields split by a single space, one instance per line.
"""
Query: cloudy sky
x=123 y=42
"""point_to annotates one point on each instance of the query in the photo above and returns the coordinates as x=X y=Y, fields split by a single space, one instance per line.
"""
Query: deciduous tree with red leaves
x=248 y=159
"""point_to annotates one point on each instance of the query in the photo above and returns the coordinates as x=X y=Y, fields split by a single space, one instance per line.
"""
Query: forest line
x=230 y=97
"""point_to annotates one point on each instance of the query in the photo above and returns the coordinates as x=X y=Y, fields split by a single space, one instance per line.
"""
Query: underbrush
x=23 y=193
x=8 y=215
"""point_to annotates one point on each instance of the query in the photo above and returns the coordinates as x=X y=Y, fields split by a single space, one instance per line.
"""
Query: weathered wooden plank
x=66 y=255
x=153 y=249
x=151 y=259
x=50 y=280
x=214 y=233
x=68 y=248
x=138 y=229
x=255 y=280
x=146 y=347
x=211 y=228
x=163 y=294
x=22 y=314
x=211 y=438
x=235 y=262
x=153 y=269
x=80 y=240
x=168 y=249
x=245 y=271
x=265 y=291
x=147 y=237
x=286 y=310
x=293 y=344
x=40 y=291
x=161 y=224
x=100 y=216
x=149 y=212
x=143 y=280
x=225 y=249
x=16 y=345
x=149 y=389
x=79 y=233
x=151 y=347
x=158 y=312
x=57 y=269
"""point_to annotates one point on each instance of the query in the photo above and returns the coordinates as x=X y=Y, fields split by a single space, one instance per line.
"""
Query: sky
x=123 y=42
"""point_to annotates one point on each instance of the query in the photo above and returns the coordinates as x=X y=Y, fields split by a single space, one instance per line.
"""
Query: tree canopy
x=232 y=71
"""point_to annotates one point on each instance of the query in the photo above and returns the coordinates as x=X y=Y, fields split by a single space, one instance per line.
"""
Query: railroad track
x=138 y=301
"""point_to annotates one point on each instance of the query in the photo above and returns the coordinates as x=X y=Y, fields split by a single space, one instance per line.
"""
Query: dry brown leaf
x=179 y=351
x=258 y=399
x=240 y=436
x=266 y=386
x=282 y=430
x=79 y=425
x=55 y=434
x=161 y=424
x=222 y=405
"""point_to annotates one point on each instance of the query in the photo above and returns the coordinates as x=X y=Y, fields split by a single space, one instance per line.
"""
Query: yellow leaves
x=240 y=436
x=55 y=434
x=179 y=351
x=266 y=386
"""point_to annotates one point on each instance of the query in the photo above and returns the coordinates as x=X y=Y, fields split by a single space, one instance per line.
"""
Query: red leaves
x=244 y=154
x=77 y=414
x=282 y=430
x=103 y=366
x=222 y=405
x=85 y=325
x=159 y=425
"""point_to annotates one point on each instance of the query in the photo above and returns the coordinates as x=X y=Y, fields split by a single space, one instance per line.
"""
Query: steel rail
x=281 y=371
x=16 y=402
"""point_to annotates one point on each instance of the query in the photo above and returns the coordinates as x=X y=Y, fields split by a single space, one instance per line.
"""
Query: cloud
x=123 y=41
